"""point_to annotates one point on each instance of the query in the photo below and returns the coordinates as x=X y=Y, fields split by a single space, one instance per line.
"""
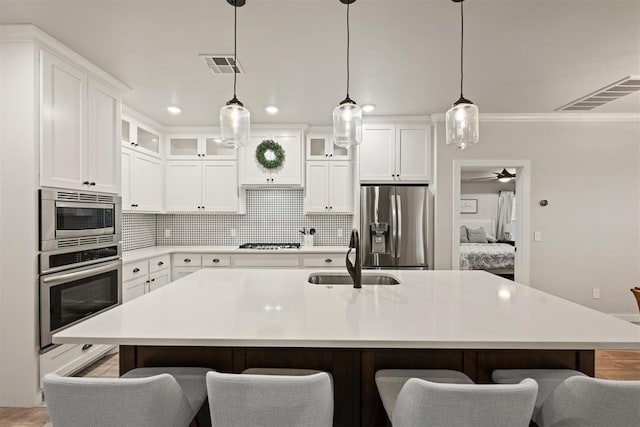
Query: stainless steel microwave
x=78 y=218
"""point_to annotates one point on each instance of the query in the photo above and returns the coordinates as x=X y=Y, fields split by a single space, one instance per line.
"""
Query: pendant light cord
x=348 y=42
x=461 y=47
x=235 y=46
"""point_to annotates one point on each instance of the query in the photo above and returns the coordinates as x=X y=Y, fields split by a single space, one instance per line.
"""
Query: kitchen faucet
x=355 y=271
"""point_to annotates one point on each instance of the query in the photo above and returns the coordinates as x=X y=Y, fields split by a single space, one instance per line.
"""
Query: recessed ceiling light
x=174 y=110
x=367 y=108
x=272 y=109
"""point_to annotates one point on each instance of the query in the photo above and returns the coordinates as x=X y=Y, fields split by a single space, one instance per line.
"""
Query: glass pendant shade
x=234 y=125
x=347 y=124
x=462 y=123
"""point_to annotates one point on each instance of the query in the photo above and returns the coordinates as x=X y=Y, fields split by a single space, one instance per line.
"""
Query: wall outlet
x=537 y=236
x=596 y=293
x=167 y=232
x=233 y=232
x=339 y=232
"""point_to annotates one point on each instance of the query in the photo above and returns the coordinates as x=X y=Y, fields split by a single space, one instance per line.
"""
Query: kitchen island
x=471 y=321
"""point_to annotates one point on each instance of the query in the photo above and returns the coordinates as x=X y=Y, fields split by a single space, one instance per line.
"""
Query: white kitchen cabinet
x=80 y=124
x=335 y=260
x=141 y=277
x=198 y=147
x=216 y=260
x=395 y=153
x=205 y=186
x=145 y=184
x=159 y=279
x=140 y=137
x=320 y=146
x=329 y=187
x=126 y=164
x=180 y=272
x=290 y=174
x=134 y=288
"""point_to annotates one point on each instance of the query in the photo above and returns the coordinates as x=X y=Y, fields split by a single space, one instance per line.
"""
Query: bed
x=498 y=258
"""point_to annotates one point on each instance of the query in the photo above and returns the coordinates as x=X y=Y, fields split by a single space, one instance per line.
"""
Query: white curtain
x=505 y=206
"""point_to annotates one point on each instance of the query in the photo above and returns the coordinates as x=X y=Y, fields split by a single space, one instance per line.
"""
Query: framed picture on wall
x=469 y=206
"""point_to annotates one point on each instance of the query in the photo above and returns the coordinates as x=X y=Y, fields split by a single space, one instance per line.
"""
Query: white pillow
x=491 y=239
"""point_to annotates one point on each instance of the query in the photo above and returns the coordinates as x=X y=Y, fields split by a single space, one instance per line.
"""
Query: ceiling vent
x=625 y=86
x=221 y=64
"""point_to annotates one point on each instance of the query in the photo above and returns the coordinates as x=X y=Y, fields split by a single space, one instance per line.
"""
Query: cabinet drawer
x=159 y=263
x=135 y=270
x=186 y=260
x=216 y=260
x=266 y=260
x=324 y=260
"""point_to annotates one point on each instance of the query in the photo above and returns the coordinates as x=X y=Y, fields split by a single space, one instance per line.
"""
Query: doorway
x=491 y=215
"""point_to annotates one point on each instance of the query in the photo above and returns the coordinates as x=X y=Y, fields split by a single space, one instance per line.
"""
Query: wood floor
x=610 y=364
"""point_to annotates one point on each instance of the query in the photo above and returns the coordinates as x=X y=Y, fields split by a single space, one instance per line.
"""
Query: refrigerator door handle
x=399 y=224
x=394 y=224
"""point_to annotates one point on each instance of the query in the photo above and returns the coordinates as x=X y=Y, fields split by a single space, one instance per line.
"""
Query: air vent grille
x=221 y=64
x=105 y=199
x=106 y=239
x=616 y=90
x=84 y=197
x=66 y=243
x=88 y=240
x=64 y=195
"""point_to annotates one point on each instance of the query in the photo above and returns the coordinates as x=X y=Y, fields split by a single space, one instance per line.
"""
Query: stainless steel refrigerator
x=395 y=223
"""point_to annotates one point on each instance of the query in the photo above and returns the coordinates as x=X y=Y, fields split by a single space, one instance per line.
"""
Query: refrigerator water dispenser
x=379 y=235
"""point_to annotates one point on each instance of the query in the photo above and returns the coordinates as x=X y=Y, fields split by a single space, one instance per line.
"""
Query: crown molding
x=551 y=117
x=28 y=33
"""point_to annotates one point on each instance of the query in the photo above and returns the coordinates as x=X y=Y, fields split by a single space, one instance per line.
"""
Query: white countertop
x=278 y=308
x=140 y=254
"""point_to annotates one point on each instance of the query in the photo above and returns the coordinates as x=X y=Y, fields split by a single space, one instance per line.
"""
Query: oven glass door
x=84 y=219
x=71 y=296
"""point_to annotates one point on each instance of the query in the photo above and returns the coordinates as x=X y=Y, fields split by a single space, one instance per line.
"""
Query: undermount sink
x=345 y=279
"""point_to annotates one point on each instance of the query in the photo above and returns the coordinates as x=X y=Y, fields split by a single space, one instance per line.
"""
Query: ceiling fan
x=502 y=176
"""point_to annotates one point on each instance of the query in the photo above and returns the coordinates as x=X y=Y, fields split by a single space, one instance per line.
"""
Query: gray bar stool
x=270 y=400
x=145 y=401
x=548 y=380
x=425 y=403
x=391 y=381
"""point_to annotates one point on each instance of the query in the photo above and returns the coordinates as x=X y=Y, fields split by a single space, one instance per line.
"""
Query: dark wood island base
x=353 y=369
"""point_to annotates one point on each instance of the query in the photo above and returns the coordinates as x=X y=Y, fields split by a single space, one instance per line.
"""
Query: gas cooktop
x=270 y=246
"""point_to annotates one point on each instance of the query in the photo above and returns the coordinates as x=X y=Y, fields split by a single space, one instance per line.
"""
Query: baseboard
x=635 y=318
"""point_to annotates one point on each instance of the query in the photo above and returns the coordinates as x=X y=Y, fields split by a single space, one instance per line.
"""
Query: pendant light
x=462 y=119
x=347 y=116
x=234 y=118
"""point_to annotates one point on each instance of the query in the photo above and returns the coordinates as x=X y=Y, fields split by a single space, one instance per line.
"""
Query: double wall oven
x=80 y=258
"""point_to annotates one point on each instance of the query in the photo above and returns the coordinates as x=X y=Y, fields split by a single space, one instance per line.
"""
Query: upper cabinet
x=141 y=182
x=288 y=175
x=329 y=187
x=80 y=123
x=395 y=153
x=140 y=137
x=320 y=146
x=198 y=147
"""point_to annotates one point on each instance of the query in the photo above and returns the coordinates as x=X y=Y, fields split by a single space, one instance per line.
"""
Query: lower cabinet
x=145 y=276
x=66 y=359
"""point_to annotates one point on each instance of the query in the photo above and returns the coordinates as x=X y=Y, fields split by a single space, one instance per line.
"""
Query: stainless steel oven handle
x=81 y=274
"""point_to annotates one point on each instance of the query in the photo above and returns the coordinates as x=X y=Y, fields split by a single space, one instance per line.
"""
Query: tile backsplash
x=271 y=216
x=138 y=231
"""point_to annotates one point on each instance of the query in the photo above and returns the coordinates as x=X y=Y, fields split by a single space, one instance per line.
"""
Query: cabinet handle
x=153 y=280
x=133 y=143
x=137 y=144
x=328 y=260
x=326 y=155
x=326 y=207
x=216 y=260
x=203 y=155
x=160 y=264
x=330 y=207
x=330 y=155
x=187 y=260
x=136 y=270
x=92 y=183
x=85 y=182
x=147 y=281
x=86 y=347
x=202 y=207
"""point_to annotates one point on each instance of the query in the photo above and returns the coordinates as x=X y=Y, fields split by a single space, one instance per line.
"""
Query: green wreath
x=270 y=154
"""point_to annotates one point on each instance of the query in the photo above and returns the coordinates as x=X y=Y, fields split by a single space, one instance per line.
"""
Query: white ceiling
x=521 y=56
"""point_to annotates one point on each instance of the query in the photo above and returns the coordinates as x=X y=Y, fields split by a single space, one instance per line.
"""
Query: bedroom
x=488 y=237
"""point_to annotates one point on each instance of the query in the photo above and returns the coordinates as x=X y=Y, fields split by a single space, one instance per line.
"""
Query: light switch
x=537 y=236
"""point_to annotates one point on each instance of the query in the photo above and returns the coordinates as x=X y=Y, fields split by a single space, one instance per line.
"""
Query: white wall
x=487 y=195
x=590 y=173
x=19 y=380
